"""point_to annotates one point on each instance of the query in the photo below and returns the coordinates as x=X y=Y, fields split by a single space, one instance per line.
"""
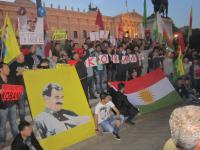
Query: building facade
x=77 y=24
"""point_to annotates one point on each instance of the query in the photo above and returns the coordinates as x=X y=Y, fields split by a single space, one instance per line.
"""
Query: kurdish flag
x=160 y=33
x=150 y=92
x=10 y=48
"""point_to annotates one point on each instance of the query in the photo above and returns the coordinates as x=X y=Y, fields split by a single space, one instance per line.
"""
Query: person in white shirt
x=109 y=123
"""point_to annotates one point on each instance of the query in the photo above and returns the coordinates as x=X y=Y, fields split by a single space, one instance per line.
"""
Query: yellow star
x=146 y=96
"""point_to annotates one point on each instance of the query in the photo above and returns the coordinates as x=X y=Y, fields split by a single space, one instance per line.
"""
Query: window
x=75 y=34
x=84 y=34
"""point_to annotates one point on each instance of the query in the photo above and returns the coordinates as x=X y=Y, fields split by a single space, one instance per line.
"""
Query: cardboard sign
x=125 y=59
x=115 y=59
x=91 y=62
x=103 y=59
x=94 y=36
x=104 y=34
x=59 y=35
x=133 y=58
x=113 y=40
x=11 y=92
x=31 y=31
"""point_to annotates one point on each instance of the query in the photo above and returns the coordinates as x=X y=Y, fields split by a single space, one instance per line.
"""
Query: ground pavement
x=149 y=133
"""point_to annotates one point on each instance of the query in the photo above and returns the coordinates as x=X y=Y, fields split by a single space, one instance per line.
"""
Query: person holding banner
x=99 y=70
x=32 y=60
x=25 y=140
x=122 y=66
x=8 y=109
x=123 y=105
x=111 y=67
x=16 y=74
x=82 y=72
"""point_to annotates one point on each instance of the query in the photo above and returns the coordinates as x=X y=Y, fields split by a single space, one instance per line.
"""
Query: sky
x=178 y=9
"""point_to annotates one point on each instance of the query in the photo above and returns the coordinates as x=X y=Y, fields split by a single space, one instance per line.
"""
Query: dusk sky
x=178 y=9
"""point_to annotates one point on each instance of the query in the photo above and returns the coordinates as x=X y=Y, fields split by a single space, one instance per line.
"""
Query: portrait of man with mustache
x=54 y=119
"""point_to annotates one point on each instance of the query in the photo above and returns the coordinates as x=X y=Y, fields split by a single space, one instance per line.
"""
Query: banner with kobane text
x=59 y=107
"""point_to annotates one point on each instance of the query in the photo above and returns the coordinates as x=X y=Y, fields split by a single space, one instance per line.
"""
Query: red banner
x=11 y=92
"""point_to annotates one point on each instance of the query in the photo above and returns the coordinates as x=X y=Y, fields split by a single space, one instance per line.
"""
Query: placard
x=11 y=92
x=31 y=31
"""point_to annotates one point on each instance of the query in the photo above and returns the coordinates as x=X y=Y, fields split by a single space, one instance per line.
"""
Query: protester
x=121 y=69
x=90 y=74
x=104 y=118
x=44 y=64
x=82 y=72
x=195 y=74
x=123 y=105
x=32 y=60
x=25 y=140
x=99 y=71
x=16 y=74
x=185 y=128
x=8 y=110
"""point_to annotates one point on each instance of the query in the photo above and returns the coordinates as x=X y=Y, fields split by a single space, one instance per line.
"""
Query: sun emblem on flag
x=146 y=96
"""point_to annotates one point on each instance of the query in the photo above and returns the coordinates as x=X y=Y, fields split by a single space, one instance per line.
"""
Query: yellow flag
x=12 y=49
x=179 y=65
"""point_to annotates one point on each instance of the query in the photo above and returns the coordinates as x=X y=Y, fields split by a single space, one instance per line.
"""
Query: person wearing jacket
x=25 y=140
x=123 y=105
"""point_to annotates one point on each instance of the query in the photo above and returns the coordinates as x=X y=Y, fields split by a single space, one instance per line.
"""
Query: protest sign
x=133 y=58
x=91 y=62
x=113 y=40
x=103 y=59
x=125 y=59
x=103 y=34
x=59 y=35
x=31 y=31
x=94 y=36
x=55 y=97
x=115 y=59
x=11 y=92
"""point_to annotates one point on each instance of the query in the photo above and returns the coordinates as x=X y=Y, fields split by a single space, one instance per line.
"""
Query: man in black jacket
x=82 y=72
x=25 y=140
x=123 y=105
x=17 y=68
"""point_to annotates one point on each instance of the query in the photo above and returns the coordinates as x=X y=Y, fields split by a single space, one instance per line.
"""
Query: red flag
x=99 y=20
x=120 y=29
x=190 y=26
x=46 y=27
x=181 y=42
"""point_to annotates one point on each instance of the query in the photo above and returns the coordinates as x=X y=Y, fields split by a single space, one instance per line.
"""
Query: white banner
x=94 y=36
x=104 y=34
x=104 y=59
x=31 y=31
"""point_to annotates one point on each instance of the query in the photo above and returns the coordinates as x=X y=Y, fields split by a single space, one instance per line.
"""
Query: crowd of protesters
x=94 y=79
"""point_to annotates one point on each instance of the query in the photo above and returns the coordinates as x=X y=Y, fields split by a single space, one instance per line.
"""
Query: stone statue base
x=167 y=21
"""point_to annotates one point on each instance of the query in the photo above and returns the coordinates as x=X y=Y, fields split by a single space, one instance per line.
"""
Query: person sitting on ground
x=104 y=118
x=123 y=105
x=185 y=129
x=25 y=140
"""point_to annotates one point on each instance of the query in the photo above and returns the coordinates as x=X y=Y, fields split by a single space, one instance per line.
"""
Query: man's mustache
x=59 y=103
